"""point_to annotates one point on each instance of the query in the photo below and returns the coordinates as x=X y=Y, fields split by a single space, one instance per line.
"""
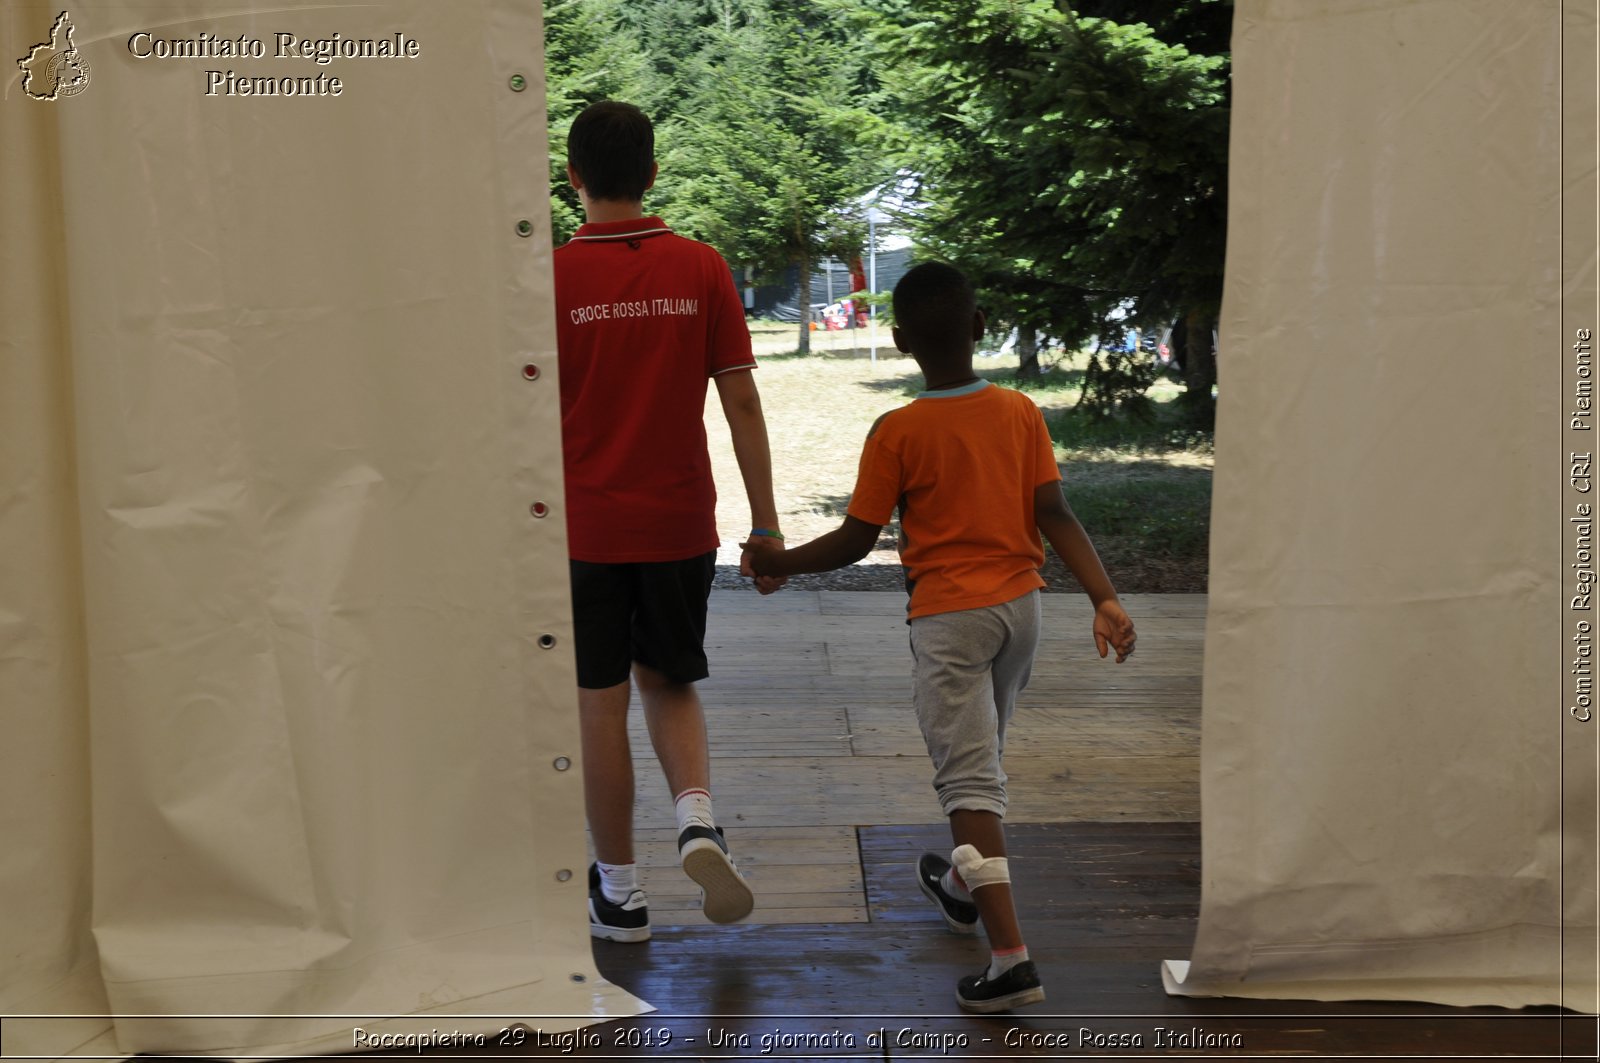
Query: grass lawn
x=1143 y=492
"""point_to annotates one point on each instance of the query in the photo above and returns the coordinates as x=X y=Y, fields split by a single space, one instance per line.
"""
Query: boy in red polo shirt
x=644 y=318
x=971 y=468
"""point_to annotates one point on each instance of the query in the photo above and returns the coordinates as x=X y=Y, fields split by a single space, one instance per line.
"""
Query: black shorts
x=653 y=612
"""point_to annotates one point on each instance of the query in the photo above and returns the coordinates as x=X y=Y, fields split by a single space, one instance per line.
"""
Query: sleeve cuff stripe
x=732 y=368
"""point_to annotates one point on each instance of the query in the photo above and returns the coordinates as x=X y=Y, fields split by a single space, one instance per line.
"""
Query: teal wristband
x=767 y=533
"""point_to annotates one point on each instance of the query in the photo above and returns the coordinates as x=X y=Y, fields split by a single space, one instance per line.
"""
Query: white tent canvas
x=279 y=740
x=1383 y=721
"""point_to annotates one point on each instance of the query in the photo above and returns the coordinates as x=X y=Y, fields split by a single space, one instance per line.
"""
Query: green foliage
x=762 y=154
x=590 y=54
x=768 y=143
x=1051 y=388
x=1115 y=382
x=758 y=106
x=1071 y=161
x=1165 y=510
x=1165 y=431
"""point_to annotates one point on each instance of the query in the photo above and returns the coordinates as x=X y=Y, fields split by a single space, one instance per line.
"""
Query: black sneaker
x=628 y=921
x=1018 y=986
x=960 y=916
x=703 y=852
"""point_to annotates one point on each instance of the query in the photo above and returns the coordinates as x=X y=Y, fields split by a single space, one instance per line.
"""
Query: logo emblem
x=55 y=69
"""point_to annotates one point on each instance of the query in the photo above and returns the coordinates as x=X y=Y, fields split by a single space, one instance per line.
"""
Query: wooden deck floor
x=821 y=779
x=809 y=713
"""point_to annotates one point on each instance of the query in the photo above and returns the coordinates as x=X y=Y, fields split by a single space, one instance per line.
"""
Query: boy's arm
x=741 y=405
x=845 y=545
x=1068 y=539
x=853 y=539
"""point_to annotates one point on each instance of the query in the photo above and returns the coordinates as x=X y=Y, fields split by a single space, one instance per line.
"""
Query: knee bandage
x=976 y=871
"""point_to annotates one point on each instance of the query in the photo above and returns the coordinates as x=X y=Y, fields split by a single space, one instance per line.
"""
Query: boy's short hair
x=612 y=146
x=933 y=308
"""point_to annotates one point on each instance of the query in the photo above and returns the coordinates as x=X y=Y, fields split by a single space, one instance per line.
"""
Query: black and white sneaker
x=959 y=915
x=703 y=852
x=1016 y=987
x=628 y=921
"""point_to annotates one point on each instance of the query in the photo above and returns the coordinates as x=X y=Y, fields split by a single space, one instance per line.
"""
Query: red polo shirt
x=644 y=318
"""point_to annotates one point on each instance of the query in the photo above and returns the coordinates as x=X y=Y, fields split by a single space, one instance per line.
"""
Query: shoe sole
x=612 y=933
x=1011 y=1000
x=727 y=895
x=956 y=926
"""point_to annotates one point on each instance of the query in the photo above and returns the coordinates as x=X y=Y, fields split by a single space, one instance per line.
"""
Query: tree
x=590 y=54
x=766 y=148
x=1073 y=161
x=758 y=110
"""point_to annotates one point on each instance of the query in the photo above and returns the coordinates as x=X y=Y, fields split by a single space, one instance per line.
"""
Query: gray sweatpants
x=970 y=667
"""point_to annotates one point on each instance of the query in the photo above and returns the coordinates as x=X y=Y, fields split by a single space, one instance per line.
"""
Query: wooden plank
x=747 y=602
x=878 y=732
x=770 y=665
x=799 y=875
x=769 y=792
x=863 y=603
x=1102 y=904
x=749 y=733
x=1057 y=788
x=782 y=791
x=822 y=781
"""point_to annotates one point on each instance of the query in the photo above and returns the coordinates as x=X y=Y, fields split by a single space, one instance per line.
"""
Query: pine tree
x=767 y=146
x=591 y=54
x=758 y=113
x=1074 y=161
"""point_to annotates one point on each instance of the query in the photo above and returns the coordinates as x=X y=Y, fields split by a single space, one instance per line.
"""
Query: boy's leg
x=677 y=725
x=969 y=667
x=669 y=657
x=602 y=607
x=986 y=832
x=602 y=601
x=607 y=771
x=955 y=705
x=983 y=830
x=1011 y=979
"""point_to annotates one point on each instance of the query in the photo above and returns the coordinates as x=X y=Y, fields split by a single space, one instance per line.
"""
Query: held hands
x=1113 y=629
x=751 y=549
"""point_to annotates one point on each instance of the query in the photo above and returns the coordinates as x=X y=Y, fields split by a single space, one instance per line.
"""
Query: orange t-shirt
x=962 y=466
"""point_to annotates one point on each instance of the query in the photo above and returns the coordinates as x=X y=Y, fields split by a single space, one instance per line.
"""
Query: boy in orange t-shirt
x=971 y=468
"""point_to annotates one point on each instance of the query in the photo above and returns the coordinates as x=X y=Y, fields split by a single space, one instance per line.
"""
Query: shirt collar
x=950 y=393
x=626 y=229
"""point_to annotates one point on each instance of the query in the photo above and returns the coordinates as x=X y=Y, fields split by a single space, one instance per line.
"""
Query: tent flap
x=285 y=750
x=1381 y=766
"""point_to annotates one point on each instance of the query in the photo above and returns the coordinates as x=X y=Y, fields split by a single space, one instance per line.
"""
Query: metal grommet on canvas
x=547 y=641
x=530 y=372
x=564 y=875
x=580 y=978
x=518 y=82
x=524 y=227
x=562 y=763
x=539 y=509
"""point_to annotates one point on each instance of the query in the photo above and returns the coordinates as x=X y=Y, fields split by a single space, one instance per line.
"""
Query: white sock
x=954 y=886
x=1001 y=962
x=693 y=807
x=618 y=881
